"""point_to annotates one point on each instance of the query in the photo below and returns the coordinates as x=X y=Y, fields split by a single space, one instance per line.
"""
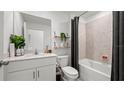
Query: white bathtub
x=91 y=70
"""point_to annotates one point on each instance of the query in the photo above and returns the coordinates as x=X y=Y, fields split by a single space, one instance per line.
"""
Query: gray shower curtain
x=118 y=47
x=74 y=43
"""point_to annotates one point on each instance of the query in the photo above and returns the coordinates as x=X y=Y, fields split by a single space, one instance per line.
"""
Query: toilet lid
x=70 y=70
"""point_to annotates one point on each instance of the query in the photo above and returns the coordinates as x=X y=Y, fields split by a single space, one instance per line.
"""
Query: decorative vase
x=22 y=51
x=18 y=52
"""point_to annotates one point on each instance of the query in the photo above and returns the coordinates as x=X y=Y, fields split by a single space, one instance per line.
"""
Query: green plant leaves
x=63 y=36
x=19 y=41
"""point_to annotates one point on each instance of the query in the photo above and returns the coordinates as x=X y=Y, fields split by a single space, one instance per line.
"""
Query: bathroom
x=46 y=53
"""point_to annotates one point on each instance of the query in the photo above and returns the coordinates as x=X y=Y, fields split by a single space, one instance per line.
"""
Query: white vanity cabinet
x=39 y=69
x=46 y=73
x=23 y=75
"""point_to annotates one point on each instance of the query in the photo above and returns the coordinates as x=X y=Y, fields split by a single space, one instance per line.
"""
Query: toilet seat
x=70 y=72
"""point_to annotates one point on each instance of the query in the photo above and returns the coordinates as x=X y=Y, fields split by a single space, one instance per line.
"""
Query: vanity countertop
x=30 y=56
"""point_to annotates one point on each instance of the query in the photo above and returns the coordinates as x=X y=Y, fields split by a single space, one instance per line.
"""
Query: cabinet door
x=1 y=73
x=46 y=73
x=24 y=75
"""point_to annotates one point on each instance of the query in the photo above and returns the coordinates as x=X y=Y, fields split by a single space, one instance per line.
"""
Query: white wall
x=8 y=27
x=8 y=30
x=1 y=41
x=18 y=23
x=1 y=32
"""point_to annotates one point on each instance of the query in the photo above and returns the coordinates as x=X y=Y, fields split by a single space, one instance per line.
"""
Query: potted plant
x=19 y=42
x=63 y=39
x=63 y=36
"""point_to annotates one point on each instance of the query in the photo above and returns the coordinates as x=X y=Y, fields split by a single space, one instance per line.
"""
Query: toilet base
x=65 y=79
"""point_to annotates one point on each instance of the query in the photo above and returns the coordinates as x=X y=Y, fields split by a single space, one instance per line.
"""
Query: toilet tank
x=62 y=61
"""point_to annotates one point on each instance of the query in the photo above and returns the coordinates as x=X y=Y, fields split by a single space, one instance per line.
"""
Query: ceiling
x=77 y=13
x=86 y=16
x=89 y=14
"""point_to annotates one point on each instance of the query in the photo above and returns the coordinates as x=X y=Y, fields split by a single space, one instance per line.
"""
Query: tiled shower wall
x=95 y=38
x=99 y=38
x=82 y=40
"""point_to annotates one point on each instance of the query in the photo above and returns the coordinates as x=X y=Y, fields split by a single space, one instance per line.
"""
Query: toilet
x=69 y=73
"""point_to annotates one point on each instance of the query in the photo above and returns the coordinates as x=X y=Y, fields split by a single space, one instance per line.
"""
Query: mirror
x=34 y=36
x=36 y=30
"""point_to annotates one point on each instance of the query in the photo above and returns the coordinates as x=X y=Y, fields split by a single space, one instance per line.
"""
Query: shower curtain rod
x=83 y=13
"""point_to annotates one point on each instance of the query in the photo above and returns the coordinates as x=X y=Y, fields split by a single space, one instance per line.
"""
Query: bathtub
x=91 y=70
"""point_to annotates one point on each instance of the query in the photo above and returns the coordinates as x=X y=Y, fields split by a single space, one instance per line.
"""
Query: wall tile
x=99 y=38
